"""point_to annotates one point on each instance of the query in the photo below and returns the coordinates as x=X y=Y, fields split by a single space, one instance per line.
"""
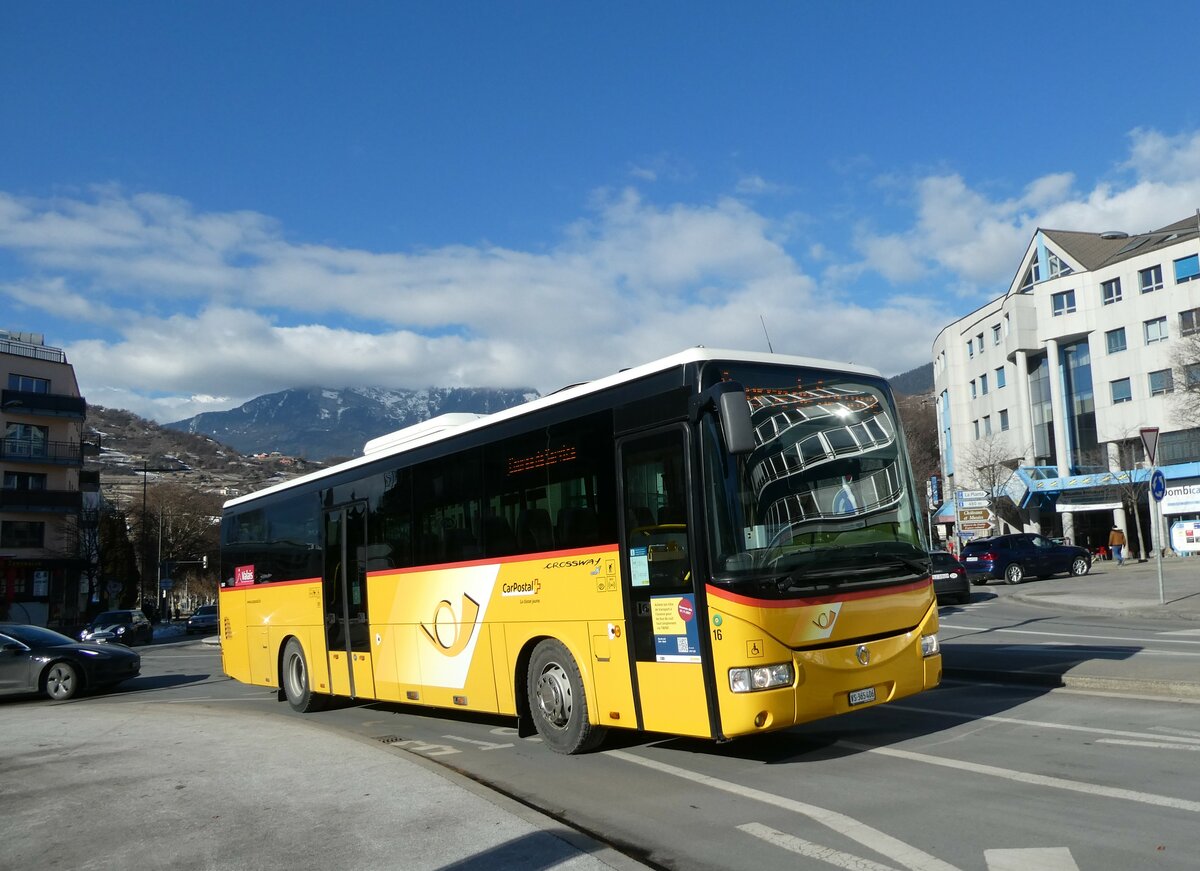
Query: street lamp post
x=146 y=470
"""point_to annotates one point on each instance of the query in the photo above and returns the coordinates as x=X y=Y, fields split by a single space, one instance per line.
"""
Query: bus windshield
x=825 y=500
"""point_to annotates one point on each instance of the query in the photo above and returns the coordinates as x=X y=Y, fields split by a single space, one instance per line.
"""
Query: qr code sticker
x=682 y=643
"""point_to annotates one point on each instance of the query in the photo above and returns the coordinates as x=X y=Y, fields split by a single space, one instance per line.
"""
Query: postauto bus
x=715 y=544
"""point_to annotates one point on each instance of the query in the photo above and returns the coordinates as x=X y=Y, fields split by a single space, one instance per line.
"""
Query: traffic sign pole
x=1158 y=489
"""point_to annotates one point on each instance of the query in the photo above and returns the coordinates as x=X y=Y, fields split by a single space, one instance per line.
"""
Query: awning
x=945 y=514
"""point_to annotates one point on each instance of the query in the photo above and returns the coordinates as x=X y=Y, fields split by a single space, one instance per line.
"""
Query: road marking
x=882 y=843
x=813 y=851
x=1168 y=730
x=1096 y=648
x=949 y=684
x=1182 y=632
x=1039 y=858
x=1094 y=789
x=1154 y=745
x=1038 y=724
x=1141 y=640
x=486 y=745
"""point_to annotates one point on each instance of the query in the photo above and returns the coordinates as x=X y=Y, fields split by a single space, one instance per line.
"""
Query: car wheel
x=1014 y=574
x=1080 y=566
x=296 y=684
x=60 y=681
x=558 y=701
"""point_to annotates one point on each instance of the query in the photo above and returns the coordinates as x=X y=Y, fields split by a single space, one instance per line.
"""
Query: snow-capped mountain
x=318 y=423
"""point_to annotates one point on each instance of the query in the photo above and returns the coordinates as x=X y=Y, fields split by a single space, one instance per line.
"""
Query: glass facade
x=1076 y=364
x=1041 y=411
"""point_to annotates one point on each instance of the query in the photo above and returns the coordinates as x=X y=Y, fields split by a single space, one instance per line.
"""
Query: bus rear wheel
x=558 y=701
x=297 y=685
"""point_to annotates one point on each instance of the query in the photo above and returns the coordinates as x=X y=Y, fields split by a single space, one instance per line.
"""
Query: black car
x=203 y=620
x=37 y=660
x=128 y=627
x=949 y=578
x=1016 y=557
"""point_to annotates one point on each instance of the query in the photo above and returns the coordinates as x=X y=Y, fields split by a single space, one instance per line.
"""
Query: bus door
x=347 y=629
x=660 y=587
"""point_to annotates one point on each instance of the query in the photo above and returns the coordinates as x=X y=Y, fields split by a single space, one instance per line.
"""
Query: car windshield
x=108 y=618
x=206 y=610
x=35 y=636
x=825 y=498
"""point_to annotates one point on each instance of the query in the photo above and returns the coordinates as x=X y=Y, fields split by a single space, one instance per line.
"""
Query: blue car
x=1012 y=558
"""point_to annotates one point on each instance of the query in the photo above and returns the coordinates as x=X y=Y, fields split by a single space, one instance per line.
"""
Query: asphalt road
x=974 y=775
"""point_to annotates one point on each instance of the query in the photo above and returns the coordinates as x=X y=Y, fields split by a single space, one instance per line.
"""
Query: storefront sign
x=1185 y=536
x=1181 y=498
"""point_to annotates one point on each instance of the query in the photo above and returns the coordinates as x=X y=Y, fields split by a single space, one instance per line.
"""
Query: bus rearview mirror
x=734 y=411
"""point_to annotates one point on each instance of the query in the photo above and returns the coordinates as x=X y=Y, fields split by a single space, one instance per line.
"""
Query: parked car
x=949 y=578
x=37 y=660
x=203 y=620
x=127 y=627
x=1016 y=557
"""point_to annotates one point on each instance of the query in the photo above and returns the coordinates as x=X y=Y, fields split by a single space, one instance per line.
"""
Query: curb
x=1165 y=689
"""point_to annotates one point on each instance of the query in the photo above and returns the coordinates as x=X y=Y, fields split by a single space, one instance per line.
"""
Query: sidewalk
x=1142 y=662
x=90 y=785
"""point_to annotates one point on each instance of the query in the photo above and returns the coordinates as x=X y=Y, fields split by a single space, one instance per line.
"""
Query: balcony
x=37 y=501
x=41 y=453
x=43 y=404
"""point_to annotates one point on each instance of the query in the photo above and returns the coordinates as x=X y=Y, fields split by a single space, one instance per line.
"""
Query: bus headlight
x=930 y=646
x=763 y=677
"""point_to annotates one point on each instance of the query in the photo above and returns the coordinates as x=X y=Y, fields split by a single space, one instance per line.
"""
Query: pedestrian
x=1116 y=545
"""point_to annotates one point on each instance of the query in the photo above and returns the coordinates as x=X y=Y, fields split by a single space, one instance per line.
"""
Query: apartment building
x=45 y=489
x=1042 y=392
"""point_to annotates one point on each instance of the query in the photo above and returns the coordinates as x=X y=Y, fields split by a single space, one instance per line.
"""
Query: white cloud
x=169 y=311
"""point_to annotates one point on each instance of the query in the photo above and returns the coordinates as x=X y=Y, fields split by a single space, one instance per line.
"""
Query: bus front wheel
x=558 y=702
x=297 y=685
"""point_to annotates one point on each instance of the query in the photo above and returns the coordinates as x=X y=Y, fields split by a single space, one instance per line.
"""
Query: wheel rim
x=554 y=695
x=60 y=682
x=1081 y=566
x=297 y=679
x=1014 y=574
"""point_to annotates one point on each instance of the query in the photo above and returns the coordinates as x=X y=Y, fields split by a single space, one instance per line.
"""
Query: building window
x=28 y=384
x=1004 y=420
x=996 y=335
x=975 y=423
x=999 y=377
x=1062 y=303
x=973 y=393
x=1191 y=376
x=1155 y=330
x=22 y=533
x=1187 y=268
x=1111 y=291
x=1189 y=321
x=1161 y=382
x=987 y=425
x=983 y=384
x=26 y=440
x=24 y=481
x=1120 y=390
x=1115 y=340
x=970 y=347
x=1150 y=279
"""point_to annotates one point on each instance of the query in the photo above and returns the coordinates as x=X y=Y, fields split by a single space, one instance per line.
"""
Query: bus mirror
x=735 y=422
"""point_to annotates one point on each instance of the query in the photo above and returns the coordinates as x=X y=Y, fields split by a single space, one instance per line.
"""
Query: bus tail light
x=930 y=646
x=763 y=677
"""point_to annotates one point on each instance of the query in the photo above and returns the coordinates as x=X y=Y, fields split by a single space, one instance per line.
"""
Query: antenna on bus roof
x=765 y=333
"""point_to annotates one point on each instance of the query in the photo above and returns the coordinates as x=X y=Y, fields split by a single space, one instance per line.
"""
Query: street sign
x=975 y=514
x=975 y=525
x=1150 y=441
x=973 y=503
x=165 y=583
x=960 y=495
x=1158 y=485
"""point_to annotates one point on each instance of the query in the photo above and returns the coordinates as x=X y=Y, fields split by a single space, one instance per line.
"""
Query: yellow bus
x=715 y=544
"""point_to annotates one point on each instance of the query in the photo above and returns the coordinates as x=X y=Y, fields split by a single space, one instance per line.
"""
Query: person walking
x=1116 y=545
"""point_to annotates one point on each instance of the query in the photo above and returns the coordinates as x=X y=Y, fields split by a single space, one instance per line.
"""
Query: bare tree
x=1185 y=373
x=987 y=464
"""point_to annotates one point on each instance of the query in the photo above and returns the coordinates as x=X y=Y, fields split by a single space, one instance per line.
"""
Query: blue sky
x=206 y=202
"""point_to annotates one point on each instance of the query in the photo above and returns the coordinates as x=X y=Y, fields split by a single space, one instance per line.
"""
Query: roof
x=1097 y=250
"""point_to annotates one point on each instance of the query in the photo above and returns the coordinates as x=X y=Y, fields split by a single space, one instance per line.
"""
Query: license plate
x=858 y=697
x=941 y=576
x=972 y=559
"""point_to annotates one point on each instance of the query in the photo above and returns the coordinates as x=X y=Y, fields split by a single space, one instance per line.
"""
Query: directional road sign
x=973 y=503
x=975 y=514
x=975 y=525
x=1158 y=485
x=960 y=495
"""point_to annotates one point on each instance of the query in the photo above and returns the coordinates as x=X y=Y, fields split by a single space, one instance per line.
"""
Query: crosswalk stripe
x=1031 y=859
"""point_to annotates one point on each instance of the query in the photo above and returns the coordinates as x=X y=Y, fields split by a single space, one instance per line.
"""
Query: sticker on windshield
x=639 y=566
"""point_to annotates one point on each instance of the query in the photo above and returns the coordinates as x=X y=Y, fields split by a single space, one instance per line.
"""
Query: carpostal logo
x=522 y=588
x=574 y=563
